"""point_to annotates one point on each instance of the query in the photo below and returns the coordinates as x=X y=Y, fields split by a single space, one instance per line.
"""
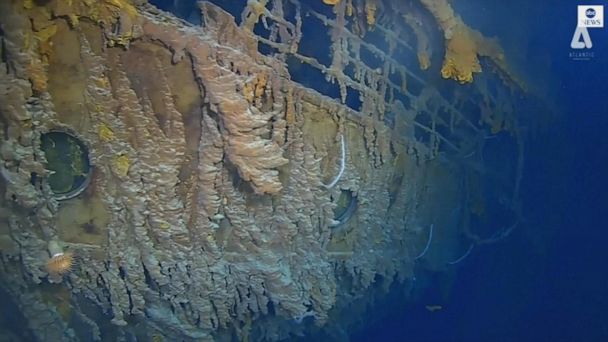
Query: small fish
x=433 y=308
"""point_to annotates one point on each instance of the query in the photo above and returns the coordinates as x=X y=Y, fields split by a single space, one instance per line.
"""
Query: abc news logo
x=588 y=17
x=591 y=16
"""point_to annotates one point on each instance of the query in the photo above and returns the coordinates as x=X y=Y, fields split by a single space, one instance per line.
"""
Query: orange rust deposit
x=60 y=264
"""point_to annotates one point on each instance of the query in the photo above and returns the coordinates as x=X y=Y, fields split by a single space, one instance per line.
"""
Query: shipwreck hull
x=219 y=198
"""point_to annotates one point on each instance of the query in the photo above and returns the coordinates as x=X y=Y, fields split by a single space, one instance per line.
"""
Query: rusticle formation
x=165 y=180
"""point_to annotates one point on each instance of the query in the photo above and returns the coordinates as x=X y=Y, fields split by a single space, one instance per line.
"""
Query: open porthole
x=346 y=206
x=68 y=160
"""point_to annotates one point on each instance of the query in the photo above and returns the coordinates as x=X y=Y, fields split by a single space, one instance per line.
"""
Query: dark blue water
x=549 y=280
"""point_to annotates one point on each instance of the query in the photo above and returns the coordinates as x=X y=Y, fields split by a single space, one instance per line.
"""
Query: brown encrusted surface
x=206 y=214
x=243 y=125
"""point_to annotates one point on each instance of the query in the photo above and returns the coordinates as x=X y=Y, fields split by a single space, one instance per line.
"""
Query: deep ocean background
x=549 y=280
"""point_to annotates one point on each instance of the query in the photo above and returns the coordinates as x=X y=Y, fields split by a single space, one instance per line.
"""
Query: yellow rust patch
x=121 y=165
x=463 y=45
x=370 y=12
x=43 y=37
x=105 y=133
x=28 y=4
x=102 y=12
x=461 y=56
